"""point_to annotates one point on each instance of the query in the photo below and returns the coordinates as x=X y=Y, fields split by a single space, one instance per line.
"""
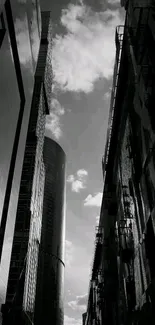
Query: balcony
x=99 y=235
x=126 y=242
x=98 y=251
x=119 y=36
x=127 y=203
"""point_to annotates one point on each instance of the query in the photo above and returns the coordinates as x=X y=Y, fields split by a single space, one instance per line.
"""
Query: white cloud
x=74 y=306
x=77 y=276
x=78 y=182
x=72 y=321
x=86 y=52
x=107 y=95
x=56 y=107
x=68 y=252
x=53 y=119
x=77 y=186
x=81 y=173
x=70 y=179
x=97 y=220
x=93 y=200
x=80 y=303
x=53 y=125
x=113 y=2
x=82 y=300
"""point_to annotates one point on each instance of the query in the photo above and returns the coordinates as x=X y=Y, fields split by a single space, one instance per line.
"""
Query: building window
x=2 y=28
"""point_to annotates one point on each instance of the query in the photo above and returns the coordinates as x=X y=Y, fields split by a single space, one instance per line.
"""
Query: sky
x=82 y=56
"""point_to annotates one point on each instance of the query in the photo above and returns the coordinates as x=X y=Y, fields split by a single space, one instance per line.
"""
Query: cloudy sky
x=83 y=56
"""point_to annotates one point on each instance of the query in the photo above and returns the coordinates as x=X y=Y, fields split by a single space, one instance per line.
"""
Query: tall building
x=50 y=274
x=38 y=296
x=39 y=225
x=20 y=32
x=122 y=289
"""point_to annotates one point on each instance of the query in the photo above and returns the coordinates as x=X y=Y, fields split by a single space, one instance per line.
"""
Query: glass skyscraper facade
x=29 y=210
x=32 y=223
x=20 y=32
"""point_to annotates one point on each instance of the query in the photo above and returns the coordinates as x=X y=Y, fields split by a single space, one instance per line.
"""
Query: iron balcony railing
x=119 y=36
x=126 y=203
x=99 y=240
x=99 y=235
x=125 y=239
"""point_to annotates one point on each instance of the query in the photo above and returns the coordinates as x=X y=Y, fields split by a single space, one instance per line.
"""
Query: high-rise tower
x=20 y=32
x=33 y=184
x=20 y=299
x=50 y=278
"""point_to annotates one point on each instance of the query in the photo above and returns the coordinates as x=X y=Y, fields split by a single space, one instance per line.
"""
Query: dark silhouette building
x=122 y=286
x=37 y=250
x=50 y=273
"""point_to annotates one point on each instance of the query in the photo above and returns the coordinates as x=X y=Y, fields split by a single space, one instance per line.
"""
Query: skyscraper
x=49 y=292
x=122 y=289
x=20 y=32
x=38 y=295
x=33 y=184
x=28 y=234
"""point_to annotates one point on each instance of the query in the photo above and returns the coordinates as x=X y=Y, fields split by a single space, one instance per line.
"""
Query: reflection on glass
x=27 y=40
